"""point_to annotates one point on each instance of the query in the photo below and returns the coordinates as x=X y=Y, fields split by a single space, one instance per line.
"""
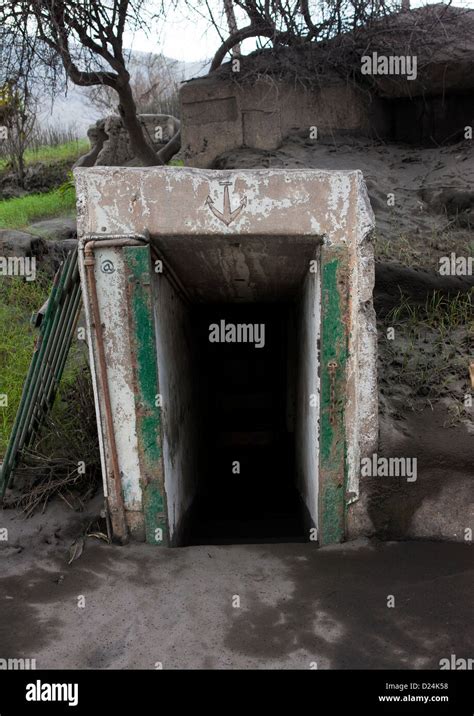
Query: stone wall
x=219 y=115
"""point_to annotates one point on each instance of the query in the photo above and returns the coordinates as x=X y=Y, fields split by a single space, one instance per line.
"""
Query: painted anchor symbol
x=227 y=216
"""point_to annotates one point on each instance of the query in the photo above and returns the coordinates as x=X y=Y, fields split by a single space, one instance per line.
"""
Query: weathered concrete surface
x=439 y=505
x=308 y=371
x=180 y=207
x=112 y=299
x=295 y=202
x=177 y=382
x=298 y=605
x=290 y=90
x=219 y=115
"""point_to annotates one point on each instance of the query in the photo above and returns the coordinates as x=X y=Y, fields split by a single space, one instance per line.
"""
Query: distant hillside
x=72 y=109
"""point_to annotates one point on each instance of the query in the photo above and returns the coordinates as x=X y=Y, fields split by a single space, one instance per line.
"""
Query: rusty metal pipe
x=114 y=240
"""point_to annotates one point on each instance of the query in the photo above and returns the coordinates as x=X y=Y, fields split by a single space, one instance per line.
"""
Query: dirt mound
x=49 y=246
x=39 y=177
x=420 y=197
x=441 y=38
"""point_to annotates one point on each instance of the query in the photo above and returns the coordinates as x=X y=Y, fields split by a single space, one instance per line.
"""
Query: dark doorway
x=246 y=484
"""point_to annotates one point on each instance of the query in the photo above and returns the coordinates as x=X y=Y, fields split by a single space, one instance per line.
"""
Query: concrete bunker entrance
x=163 y=255
x=237 y=332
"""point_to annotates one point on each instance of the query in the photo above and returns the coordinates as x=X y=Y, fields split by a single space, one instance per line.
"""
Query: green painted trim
x=333 y=463
x=148 y=414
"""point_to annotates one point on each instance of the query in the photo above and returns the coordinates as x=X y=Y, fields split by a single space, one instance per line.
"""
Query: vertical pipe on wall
x=116 y=511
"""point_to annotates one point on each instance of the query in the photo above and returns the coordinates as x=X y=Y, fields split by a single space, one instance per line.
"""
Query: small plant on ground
x=64 y=460
x=430 y=351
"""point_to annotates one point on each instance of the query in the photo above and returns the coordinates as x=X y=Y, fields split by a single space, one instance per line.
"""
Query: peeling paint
x=171 y=204
x=138 y=270
x=333 y=439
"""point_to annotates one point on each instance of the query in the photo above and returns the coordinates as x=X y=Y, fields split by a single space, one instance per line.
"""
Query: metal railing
x=56 y=329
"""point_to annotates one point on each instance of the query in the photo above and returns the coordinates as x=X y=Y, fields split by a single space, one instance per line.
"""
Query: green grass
x=69 y=151
x=18 y=300
x=408 y=250
x=19 y=212
x=438 y=311
x=69 y=432
x=431 y=351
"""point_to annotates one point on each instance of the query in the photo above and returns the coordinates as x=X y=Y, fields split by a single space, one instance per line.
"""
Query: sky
x=184 y=37
x=191 y=39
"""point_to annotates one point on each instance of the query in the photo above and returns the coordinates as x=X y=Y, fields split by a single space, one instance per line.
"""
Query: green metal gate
x=47 y=364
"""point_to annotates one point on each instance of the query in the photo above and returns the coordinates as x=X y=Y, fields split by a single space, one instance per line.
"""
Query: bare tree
x=331 y=33
x=18 y=110
x=297 y=22
x=232 y=25
x=153 y=84
x=87 y=37
x=20 y=122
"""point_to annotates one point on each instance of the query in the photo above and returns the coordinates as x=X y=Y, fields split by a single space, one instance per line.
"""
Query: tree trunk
x=232 y=25
x=171 y=148
x=21 y=167
x=128 y=112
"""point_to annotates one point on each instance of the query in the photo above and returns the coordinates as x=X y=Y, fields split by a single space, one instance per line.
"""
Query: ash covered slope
x=423 y=201
x=423 y=198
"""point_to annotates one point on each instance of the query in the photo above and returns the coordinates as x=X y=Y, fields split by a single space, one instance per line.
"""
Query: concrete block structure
x=219 y=115
x=178 y=268
x=276 y=94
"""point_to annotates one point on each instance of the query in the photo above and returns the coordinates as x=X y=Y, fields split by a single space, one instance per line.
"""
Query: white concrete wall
x=308 y=394
x=177 y=387
x=114 y=315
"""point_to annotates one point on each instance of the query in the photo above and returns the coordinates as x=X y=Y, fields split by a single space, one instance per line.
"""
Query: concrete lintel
x=271 y=201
